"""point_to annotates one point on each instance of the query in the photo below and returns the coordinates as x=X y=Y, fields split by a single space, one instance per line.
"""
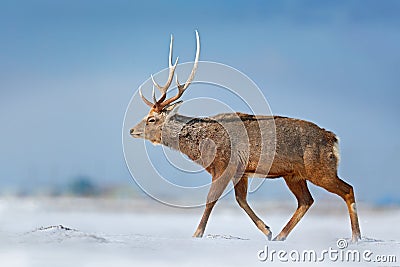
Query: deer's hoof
x=269 y=236
x=265 y=229
x=355 y=239
x=279 y=238
x=198 y=234
x=267 y=232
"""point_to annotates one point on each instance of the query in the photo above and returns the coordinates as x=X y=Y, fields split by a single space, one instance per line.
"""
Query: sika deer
x=297 y=150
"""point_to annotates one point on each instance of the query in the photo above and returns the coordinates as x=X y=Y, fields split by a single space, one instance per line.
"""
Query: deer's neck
x=183 y=134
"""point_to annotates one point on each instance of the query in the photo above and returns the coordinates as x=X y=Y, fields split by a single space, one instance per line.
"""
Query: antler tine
x=196 y=62
x=154 y=95
x=169 y=65
x=145 y=99
x=163 y=89
x=155 y=83
x=182 y=88
x=170 y=51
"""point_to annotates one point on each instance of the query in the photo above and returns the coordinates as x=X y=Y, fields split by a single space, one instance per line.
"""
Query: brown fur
x=235 y=146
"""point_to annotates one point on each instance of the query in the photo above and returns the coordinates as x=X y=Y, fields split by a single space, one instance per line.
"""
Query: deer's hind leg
x=337 y=186
x=299 y=188
x=241 y=198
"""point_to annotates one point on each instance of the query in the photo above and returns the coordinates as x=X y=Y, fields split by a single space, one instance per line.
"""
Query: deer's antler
x=159 y=104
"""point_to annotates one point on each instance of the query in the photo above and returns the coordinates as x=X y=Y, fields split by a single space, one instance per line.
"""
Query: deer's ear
x=172 y=109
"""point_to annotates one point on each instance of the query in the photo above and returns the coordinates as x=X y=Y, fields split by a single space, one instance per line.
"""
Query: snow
x=140 y=232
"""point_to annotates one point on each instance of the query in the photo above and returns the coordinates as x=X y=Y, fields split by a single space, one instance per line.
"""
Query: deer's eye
x=151 y=120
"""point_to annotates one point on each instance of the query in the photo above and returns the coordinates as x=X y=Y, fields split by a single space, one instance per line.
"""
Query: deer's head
x=163 y=109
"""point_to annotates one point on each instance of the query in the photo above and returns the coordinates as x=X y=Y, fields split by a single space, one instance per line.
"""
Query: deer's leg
x=345 y=191
x=241 y=198
x=217 y=188
x=304 y=201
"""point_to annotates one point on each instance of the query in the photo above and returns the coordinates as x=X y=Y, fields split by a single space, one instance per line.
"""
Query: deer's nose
x=135 y=133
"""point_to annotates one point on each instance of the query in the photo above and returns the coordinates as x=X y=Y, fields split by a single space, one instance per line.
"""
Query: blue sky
x=69 y=68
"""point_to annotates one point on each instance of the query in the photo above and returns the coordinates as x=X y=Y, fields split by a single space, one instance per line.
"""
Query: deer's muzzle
x=135 y=133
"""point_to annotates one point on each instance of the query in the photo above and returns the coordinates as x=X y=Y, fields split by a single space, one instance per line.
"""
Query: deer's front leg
x=202 y=225
x=218 y=186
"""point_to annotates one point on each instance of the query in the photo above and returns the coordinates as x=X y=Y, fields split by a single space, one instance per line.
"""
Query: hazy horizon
x=69 y=69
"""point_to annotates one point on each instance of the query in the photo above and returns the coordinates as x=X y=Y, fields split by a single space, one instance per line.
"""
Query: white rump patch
x=335 y=151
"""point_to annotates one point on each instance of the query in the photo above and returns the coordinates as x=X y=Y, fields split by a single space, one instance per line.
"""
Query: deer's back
x=279 y=146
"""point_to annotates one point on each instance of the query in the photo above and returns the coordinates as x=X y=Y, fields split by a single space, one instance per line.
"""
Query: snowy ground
x=140 y=232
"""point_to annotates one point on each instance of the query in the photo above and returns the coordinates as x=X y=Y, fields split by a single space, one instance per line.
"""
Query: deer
x=296 y=150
